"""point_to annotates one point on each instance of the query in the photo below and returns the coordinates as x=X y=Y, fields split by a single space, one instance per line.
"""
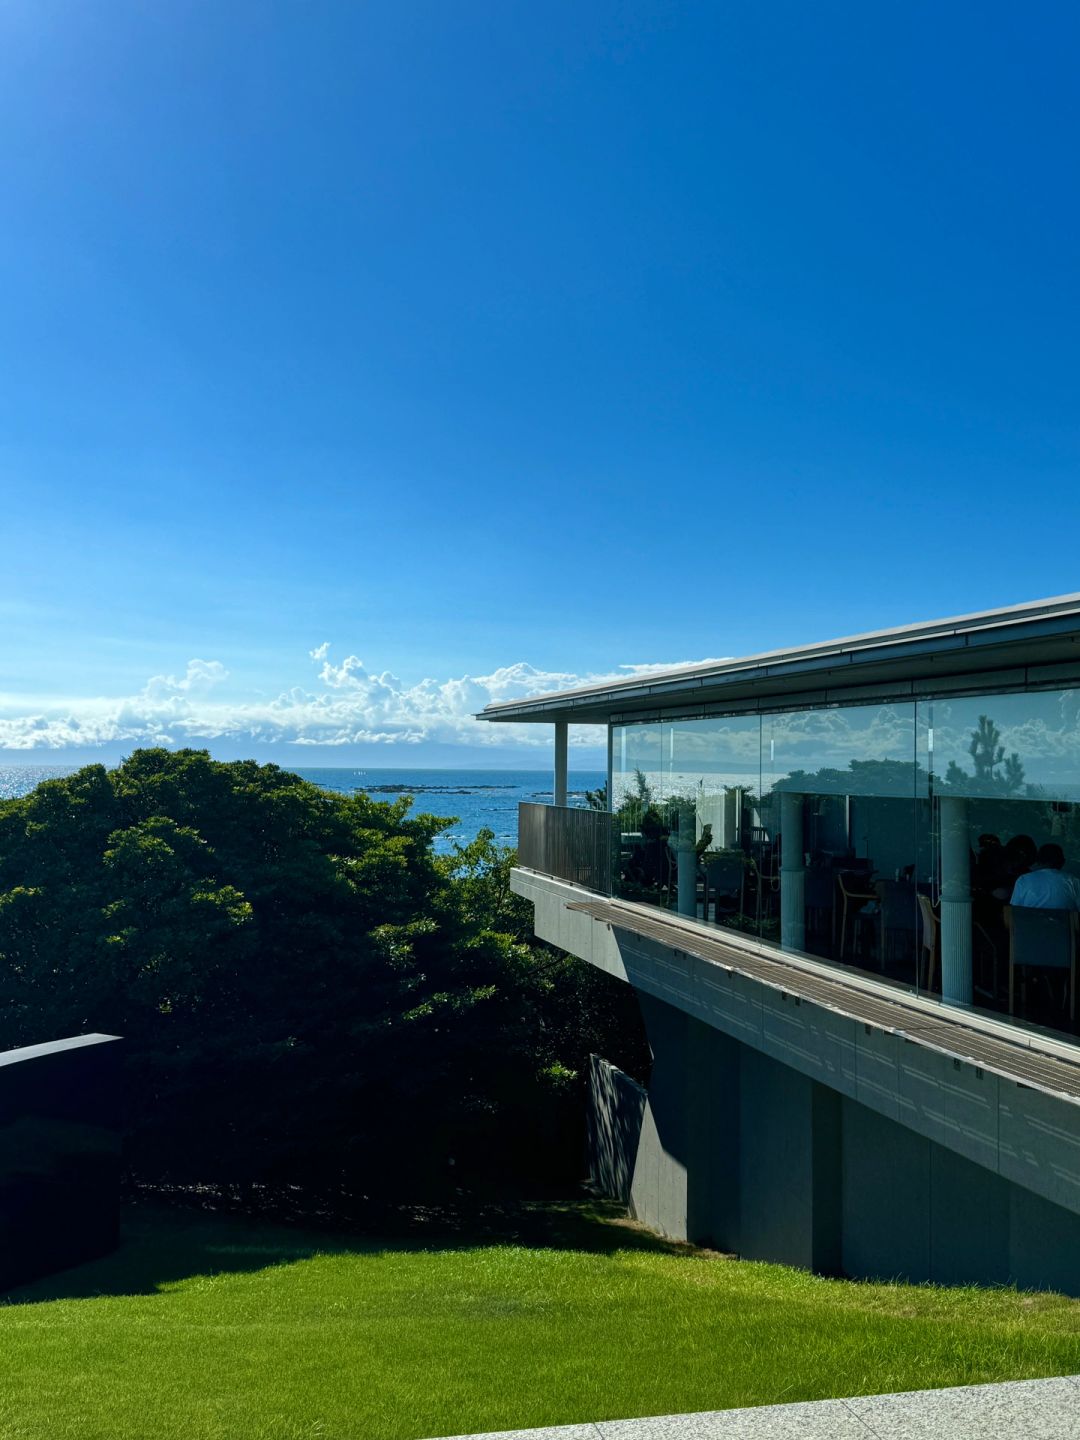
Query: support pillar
x=955 y=901
x=687 y=860
x=561 y=742
x=792 y=873
x=728 y=817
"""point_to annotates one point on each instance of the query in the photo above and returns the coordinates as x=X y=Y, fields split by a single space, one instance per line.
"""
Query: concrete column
x=729 y=821
x=687 y=860
x=561 y=735
x=955 y=901
x=792 y=872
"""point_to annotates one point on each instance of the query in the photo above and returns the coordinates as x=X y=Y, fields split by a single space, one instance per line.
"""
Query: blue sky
x=502 y=344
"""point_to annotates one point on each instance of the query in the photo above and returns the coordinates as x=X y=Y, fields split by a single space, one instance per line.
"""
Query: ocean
x=477 y=799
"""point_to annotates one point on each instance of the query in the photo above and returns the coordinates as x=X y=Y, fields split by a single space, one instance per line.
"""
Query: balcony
x=580 y=847
x=567 y=843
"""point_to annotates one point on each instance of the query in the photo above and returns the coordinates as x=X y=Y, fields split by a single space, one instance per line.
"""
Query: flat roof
x=1014 y=646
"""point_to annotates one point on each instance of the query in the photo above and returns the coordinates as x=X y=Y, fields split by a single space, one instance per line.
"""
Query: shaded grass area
x=205 y=1325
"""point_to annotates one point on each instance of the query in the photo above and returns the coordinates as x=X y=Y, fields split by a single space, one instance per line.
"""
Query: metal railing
x=568 y=843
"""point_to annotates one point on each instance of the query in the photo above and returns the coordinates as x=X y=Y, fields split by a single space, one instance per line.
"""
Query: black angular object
x=60 y=1155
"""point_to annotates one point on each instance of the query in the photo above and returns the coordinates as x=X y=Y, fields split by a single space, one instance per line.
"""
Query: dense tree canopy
x=307 y=992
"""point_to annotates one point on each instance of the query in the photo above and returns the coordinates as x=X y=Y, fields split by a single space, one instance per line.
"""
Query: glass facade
x=934 y=844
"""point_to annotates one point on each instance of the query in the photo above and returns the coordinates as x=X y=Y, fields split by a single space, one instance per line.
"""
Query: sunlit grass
x=236 y=1330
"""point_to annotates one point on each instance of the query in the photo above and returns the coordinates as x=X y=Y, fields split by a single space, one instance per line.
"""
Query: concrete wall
x=60 y=1155
x=789 y=1166
x=914 y=1209
x=733 y=1149
x=1026 y=1137
x=780 y=1130
x=728 y=1148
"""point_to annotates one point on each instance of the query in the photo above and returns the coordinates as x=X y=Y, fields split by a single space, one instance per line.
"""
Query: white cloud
x=342 y=705
x=201 y=675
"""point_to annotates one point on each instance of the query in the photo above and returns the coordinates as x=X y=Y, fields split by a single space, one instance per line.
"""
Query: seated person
x=1046 y=886
x=987 y=865
x=1017 y=857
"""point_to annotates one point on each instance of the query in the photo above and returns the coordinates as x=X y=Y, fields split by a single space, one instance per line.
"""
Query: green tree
x=306 y=992
x=572 y=1009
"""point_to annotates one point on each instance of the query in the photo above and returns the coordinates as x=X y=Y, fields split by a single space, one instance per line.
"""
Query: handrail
x=566 y=842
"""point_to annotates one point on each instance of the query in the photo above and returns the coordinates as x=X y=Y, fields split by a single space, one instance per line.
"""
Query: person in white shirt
x=1046 y=886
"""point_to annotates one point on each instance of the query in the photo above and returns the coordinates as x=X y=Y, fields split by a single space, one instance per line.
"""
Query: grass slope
x=216 y=1327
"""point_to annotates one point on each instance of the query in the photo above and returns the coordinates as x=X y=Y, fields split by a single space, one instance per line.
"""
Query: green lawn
x=205 y=1326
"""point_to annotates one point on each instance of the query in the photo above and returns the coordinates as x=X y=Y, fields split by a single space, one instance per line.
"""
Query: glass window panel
x=1019 y=746
x=635 y=763
x=640 y=865
x=901 y=839
x=839 y=793
x=849 y=750
x=1003 y=836
x=711 y=783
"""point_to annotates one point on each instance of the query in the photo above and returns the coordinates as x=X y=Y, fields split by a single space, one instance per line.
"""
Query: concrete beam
x=561 y=756
x=1010 y=1129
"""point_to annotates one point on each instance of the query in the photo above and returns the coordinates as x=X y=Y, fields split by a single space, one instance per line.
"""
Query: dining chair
x=930 y=945
x=896 y=909
x=769 y=878
x=853 y=899
x=1045 y=940
x=725 y=876
x=819 y=898
x=984 y=949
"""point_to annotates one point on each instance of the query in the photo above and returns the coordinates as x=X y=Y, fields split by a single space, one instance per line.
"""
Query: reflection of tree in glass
x=987 y=754
x=636 y=807
x=900 y=778
x=643 y=790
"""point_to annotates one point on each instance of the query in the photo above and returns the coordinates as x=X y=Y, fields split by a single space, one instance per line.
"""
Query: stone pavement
x=1024 y=1409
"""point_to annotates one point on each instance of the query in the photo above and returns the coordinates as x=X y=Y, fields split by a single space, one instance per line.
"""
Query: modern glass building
x=892 y=819
x=888 y=835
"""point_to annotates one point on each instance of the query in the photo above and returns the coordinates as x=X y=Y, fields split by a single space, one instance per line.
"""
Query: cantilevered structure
x=811 y=869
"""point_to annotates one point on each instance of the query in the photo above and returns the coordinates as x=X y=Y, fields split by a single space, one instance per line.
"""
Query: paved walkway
x=1020 y=1410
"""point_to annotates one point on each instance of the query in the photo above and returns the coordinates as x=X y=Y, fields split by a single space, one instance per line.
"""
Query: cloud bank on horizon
x=345 y=705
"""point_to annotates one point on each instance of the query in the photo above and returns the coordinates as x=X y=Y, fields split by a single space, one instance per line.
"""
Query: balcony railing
x=570 y=844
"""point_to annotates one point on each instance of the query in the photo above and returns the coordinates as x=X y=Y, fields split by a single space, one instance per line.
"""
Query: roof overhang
x=1030 y=644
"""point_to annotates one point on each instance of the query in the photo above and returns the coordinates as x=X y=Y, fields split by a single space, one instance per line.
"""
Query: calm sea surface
x=476 y=798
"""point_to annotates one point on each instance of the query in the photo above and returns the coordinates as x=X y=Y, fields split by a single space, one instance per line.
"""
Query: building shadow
x=165 y=1244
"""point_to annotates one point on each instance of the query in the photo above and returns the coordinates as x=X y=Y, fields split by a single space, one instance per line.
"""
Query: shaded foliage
x=307 y=992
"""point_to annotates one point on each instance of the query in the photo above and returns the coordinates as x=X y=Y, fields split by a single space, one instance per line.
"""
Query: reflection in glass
x=710 y=780
x=1004 y=832
x=686 y=818
x=889 y=837
x=839 y=792
x=640 y=833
